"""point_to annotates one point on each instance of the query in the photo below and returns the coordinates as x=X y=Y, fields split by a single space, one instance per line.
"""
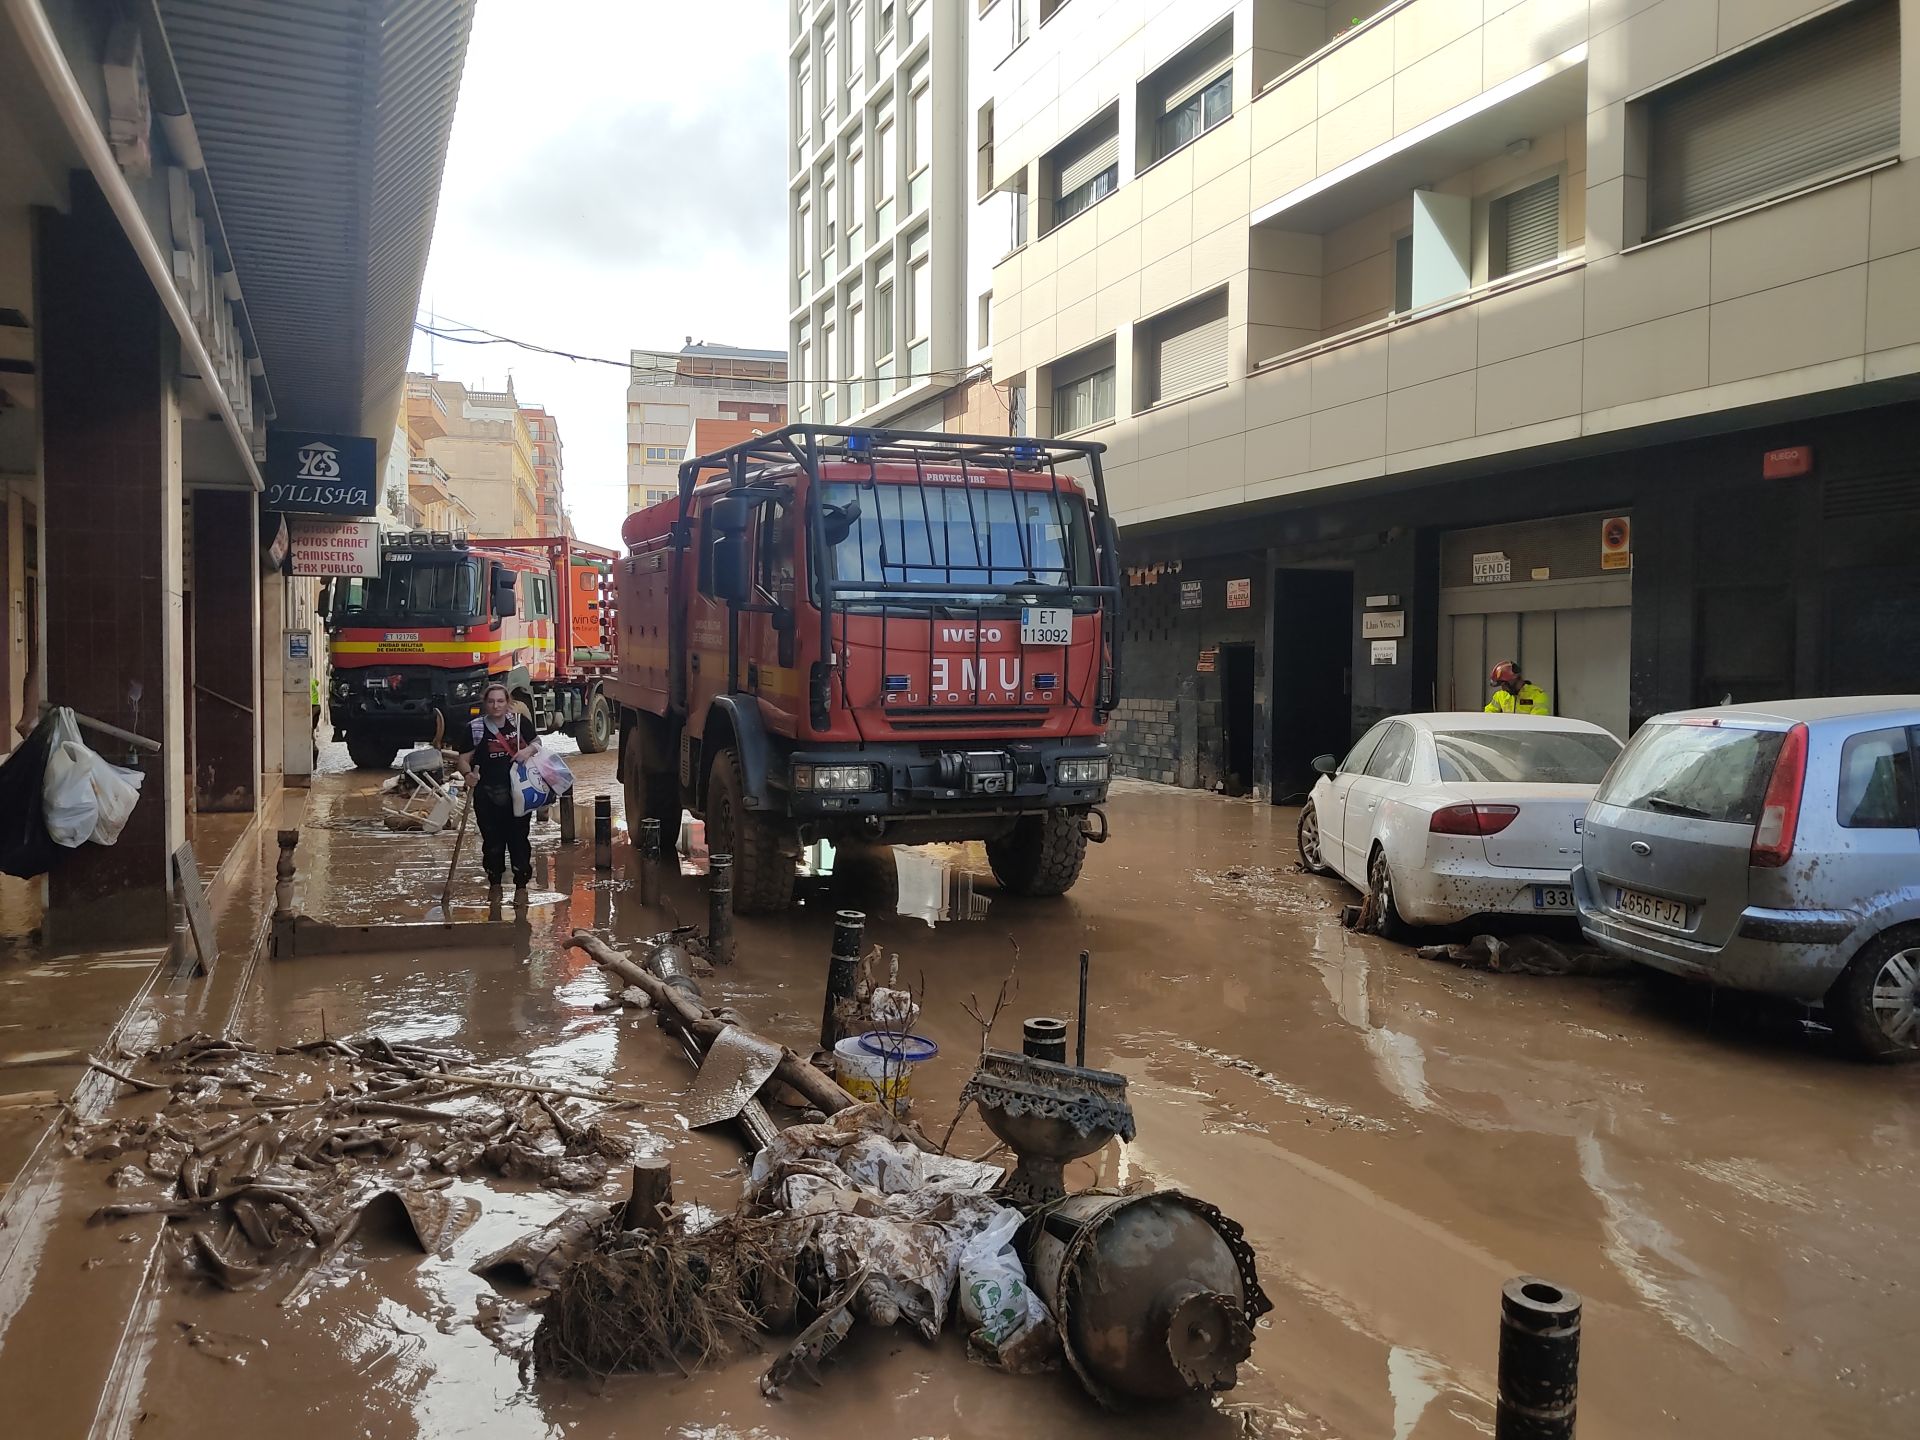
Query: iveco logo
x=987 y=633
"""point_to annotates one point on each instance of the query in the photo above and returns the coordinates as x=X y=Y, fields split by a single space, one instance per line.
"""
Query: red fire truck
x=860 y=634
x=412 y=648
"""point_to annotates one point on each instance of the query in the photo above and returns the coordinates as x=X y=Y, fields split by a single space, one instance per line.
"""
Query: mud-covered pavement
x=1397 y=1136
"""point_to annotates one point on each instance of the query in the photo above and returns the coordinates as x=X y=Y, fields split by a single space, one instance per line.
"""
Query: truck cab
x=847 y=634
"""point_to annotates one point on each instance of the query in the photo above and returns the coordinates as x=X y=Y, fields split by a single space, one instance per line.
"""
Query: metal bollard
x=567 y=832
x=649 y=862
x=720 y=909
x=1044 y=1038
x=843 y=968
x=603 y=832
x=1539 y=1360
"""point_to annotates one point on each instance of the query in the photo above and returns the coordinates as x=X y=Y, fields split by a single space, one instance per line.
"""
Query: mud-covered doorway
x=1237 y=718
x=1312 y=675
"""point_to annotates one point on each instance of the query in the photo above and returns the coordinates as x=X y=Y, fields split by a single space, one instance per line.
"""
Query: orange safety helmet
x=1505 y=673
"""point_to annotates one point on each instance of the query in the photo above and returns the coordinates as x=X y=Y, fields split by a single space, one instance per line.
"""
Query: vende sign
x=336 y=547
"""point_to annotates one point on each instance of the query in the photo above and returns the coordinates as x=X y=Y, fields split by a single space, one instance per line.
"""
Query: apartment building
x=668 y=390
x=1432 y=333
x=550 y=504
x=893 y=228
x=480 y=442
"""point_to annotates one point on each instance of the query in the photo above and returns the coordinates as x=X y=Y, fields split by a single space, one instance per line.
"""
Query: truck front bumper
x=914 y=781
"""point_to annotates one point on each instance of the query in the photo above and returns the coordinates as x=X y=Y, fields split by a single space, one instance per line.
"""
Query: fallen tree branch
x=93 y=1063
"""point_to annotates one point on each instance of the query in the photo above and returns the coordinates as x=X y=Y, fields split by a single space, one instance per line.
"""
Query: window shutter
x=1184 y=76
x=1817 y=101
x=1093 y=150
x=1529 y=229
x=1190 y=348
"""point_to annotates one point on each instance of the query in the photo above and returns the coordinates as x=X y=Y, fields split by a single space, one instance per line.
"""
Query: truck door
x=707 y=627
x=769 y=659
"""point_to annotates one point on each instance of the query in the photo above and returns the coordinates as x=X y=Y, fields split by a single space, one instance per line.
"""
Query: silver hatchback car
x=1773 y=848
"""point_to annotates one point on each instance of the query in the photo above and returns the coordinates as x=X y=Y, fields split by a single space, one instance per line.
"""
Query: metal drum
x=1155 y=1294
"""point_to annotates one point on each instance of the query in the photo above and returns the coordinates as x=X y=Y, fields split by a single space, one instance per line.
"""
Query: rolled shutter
x=1087 y=154
x=1182 y=77
x=1817 y=101
x=1190 y=348
x=1530 y=226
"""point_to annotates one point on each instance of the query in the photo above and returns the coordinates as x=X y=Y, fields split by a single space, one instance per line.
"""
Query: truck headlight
x=466 y=689
x=1084 y=772
x=835 y=779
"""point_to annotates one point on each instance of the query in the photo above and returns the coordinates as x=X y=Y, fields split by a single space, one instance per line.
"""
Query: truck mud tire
x=371 y=752
x=1874 y=1007
x=763 y=866
x=1042 y=856
x=650 y=794
x=593 y=732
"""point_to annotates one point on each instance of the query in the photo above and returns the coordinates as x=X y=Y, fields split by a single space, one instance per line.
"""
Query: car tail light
x=1472 y=819
x=1780 y=810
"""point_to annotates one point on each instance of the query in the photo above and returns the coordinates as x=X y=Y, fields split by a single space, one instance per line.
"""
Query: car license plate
x=1552 y=897
x=1651 y=907
x=1052 y=626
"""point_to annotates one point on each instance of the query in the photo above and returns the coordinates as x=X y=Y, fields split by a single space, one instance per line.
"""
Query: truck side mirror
x=731 y=515
x=504 y=604
x=732 y=575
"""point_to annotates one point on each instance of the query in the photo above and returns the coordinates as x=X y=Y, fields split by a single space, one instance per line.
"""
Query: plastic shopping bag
x=552 y=769
x=530 y=792
x=118 y=791
x=1010 y=1326
x=26 y=850
x=72 y=808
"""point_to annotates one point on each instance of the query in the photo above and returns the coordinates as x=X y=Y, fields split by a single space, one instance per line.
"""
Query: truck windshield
x=905 y=535
x=411 y=588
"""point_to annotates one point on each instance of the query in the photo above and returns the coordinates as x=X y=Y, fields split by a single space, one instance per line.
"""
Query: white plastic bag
x=72 y=807
x=87 y=798
x=552 y=769
x=530 y=792
x=1009 y=1324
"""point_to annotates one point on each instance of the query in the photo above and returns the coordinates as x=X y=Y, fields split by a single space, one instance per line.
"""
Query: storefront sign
x=1189 y=594
x=1239 y=594
x=1492 y=567
x=1209 y=660
x=1386 y=652
x=336 y=547
x=1787 y=463
x=1616 y=543
x=312 y=474
x=1383 y=624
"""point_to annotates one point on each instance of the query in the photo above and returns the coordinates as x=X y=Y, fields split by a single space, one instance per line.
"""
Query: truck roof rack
x=805 y=444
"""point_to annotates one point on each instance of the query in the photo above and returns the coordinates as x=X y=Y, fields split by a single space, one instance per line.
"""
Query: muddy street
x=1397 y=1135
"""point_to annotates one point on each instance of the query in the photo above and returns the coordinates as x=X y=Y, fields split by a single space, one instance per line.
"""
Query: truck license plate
x=1052 y=626
x=1651 y=907
x=1552 y=897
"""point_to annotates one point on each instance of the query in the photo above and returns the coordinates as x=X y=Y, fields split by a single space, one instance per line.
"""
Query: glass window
x=1538 y=757
x=1188 y=119
x=883 y=314
x=1086 y=401
x=1085 y=196
x=1702 y=771
x=830 y=223
x=1394 y=757
x=886 y=158
x=920 y=301
x=418 y=589
x=1877 y=783
x=1363 y=749
x=1525 y=228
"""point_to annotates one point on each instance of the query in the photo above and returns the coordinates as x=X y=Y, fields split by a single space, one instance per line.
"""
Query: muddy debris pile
x=263 y=1162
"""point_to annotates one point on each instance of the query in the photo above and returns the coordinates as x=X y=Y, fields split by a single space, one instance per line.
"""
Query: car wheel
x=1875 y=1004
x=1311 y=859
x=1383 y=914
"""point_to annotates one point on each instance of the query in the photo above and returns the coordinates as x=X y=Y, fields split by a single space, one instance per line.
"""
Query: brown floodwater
x=1397 y=1136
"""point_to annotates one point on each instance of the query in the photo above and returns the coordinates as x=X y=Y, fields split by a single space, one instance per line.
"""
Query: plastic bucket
x=878 y=1066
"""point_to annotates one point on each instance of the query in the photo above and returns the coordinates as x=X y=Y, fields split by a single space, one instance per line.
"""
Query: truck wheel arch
x=734 y=725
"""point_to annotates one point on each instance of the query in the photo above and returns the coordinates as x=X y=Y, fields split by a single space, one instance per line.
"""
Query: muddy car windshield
x=898 y=536
x=1532 y=757
x=1702 y=772
x=410 y=588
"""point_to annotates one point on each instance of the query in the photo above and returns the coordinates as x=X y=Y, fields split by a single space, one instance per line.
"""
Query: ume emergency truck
x=888 y=636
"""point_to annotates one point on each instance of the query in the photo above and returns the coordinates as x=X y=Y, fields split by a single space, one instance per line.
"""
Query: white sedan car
x=1437 y=818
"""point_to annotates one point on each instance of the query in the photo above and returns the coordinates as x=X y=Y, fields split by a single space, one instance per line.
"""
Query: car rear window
x=1877 y=790
x=1534 y=757
x=1704 y=772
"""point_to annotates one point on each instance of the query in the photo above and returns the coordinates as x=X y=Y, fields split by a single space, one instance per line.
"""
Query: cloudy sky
x=616 y=179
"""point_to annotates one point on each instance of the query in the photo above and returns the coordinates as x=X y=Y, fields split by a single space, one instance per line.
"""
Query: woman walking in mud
x=499 y=739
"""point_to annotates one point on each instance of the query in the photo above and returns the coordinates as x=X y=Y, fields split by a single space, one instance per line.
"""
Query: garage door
x=1578 y=655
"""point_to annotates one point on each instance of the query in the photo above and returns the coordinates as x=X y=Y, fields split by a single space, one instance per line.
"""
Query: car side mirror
x=732 y=579
x=1326 y=764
